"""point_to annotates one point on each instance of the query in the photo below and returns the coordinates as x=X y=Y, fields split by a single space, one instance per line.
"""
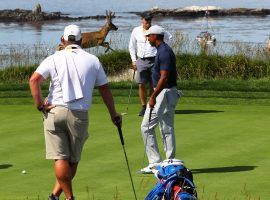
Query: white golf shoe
x=150 y=168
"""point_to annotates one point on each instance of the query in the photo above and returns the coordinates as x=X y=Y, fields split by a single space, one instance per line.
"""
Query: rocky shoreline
x=212 y=11
x=37 y=15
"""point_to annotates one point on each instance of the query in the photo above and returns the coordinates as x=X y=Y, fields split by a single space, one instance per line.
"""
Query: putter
x=123 y=145
x=131 y=85
x=150 y=114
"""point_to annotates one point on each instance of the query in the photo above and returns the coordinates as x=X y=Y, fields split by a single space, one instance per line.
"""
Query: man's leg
x=64 y=174
x=166 y=121
x=145 y=78
x=57 y=190
x=168 y=136
x=142 y=94
x=152 y=150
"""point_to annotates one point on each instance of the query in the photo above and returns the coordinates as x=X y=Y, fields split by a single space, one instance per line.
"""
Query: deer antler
x=109 y=14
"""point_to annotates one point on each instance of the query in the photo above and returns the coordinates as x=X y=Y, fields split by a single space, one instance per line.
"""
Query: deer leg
x=106 y=44
x=109 y=48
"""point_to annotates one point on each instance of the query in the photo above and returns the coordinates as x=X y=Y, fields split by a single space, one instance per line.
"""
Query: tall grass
x=29 y=54
x=215 y=66
x=234 y=60
x=189 y=67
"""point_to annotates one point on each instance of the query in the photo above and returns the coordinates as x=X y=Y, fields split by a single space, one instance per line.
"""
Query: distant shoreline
x=212 y=11
x=36 y=15
x=22 y=15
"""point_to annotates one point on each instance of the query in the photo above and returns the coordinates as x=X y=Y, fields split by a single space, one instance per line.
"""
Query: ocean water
x=246 y=29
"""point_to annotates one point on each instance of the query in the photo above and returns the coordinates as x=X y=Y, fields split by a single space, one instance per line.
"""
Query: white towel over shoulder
x=69 y=78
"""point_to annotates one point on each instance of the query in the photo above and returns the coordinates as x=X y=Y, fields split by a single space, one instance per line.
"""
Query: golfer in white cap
x=162 y=101
x=73 y=73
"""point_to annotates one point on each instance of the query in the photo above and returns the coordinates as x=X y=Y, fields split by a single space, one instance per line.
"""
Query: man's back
x=87 y=67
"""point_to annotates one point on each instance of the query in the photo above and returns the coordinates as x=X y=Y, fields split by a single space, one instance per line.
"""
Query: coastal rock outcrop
x=37 y=15
x=197 y=11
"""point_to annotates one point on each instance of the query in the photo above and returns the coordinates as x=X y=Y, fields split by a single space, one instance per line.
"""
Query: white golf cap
x=72 y=30
x=155 y=30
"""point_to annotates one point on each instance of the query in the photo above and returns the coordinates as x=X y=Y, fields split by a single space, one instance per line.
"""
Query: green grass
x=224 y=140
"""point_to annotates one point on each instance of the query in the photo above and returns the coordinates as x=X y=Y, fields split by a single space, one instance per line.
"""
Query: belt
x=148 y=58
x=167 y=87
x=170 y=87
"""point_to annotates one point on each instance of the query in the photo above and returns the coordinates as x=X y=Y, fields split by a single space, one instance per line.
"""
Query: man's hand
x=152 y=102
x=46 y=107
x=117 y=120
x=134 y=66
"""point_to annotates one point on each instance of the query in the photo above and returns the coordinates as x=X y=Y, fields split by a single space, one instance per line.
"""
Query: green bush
x=115 y=62
x=16 y=74
x=189 y=67
x=220 y=67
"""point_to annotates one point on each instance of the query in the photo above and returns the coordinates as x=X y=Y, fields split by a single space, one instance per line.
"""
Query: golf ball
x=23 y=172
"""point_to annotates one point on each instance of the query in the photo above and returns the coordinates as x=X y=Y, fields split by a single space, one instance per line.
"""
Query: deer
x=97 y=38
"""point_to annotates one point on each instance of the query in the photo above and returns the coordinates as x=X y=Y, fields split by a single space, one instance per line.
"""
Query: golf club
x=149 y=120
x=131 y=85
x=123 y=145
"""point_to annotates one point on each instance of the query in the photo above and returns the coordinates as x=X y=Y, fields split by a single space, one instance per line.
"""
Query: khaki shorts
x=65 y=133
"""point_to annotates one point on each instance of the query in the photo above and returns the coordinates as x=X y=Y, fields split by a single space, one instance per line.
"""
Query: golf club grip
x=151 y=110
x=120 y=134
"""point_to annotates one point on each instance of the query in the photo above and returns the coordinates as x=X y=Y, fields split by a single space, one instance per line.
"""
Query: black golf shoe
x=52 y=197
x=141 y=113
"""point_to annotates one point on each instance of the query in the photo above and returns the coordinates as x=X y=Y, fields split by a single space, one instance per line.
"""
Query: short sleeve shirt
x=91 y=74
x=165 y=60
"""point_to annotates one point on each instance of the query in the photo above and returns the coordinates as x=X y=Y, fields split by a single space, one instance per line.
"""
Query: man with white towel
x=73 y=73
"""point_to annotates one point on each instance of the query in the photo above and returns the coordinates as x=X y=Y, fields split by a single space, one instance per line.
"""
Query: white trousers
x=162 y=114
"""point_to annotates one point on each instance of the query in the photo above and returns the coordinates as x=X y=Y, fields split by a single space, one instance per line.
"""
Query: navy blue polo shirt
x=165 y=60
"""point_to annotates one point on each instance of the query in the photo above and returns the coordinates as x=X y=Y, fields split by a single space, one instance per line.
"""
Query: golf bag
x=175 y=182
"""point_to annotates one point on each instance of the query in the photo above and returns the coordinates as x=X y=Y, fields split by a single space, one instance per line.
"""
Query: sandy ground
x=124 y=76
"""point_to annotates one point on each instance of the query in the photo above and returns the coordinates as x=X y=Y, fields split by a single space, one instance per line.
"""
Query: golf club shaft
x=121 y=135
x=149 y=120
x=130 y=91
x=122 y=142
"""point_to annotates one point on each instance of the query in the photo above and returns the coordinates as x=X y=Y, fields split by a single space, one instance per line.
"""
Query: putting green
x=226 y=147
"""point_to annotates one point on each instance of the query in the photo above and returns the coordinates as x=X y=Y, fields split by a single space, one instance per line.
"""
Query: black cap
x=147 y=16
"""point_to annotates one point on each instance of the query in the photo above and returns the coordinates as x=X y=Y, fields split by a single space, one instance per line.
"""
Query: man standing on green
x=73 y=73
x=162 y=101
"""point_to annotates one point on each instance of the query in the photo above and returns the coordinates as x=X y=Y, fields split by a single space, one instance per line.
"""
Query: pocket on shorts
x=80 y=125
x=49 y=121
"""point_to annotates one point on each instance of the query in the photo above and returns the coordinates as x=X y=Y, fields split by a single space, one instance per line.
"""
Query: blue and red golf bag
x=175 y=182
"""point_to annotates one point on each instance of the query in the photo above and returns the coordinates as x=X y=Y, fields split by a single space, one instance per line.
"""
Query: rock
x=197 y=11
x=36 y=15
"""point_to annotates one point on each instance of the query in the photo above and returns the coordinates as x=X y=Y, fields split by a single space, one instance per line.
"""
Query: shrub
x=189 y=67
